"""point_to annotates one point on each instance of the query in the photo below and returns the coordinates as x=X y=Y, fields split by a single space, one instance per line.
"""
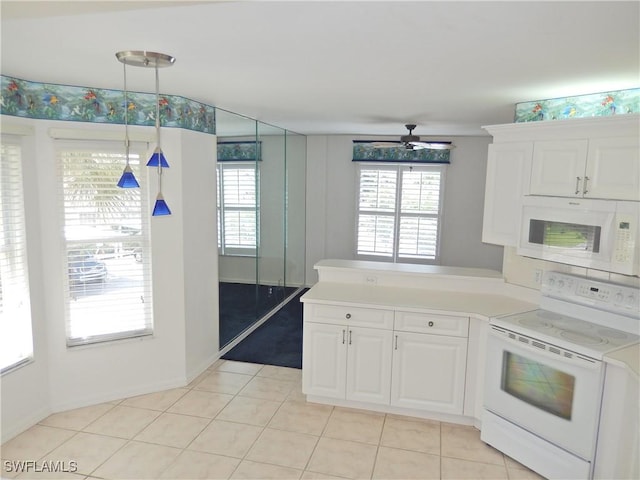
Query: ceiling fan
x=412 y=142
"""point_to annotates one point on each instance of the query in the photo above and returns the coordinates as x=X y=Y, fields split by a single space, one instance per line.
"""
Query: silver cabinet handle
x=396 y=347
x=431 y=324
x=350 y=332
x=578 y=185
x=348 y=316
x=343 y=335
x=585 y=190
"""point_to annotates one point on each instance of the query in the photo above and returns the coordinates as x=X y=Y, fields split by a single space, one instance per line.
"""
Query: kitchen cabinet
x=343 y=360
x=429 y=368
x=606 y=168
x=619 y=432
x=385 y=356
x=506 y=167
x=557 y=168
x=586 y=157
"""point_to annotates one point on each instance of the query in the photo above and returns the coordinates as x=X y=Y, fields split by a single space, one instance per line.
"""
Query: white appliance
x=544 y=373
x=599 y=234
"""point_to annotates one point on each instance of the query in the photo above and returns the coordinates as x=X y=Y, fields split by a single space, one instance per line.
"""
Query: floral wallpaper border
x=239 y=151
x=363 y=151
x=580 y=106
x=23 y=98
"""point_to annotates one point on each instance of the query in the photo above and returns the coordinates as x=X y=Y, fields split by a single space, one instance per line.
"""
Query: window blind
x=420 y=203
x=237 y=209
x=399 y=209
x=107 y=269
x=16 y=341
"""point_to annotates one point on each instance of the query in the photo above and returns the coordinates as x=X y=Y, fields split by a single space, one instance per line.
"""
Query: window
x=237 y=208
x=399 y=209
x=107 y=273
x=16 y=341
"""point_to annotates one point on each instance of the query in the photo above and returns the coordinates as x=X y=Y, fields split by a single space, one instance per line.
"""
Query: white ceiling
x=319 y=67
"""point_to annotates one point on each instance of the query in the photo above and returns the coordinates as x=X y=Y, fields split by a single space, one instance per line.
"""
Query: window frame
x=15 y=192
x=143 y=239
x=399 y=168
x=221 y=209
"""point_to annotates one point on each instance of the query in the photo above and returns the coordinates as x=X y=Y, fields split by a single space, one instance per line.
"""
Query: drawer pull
x=348 y=316
x=431 y=323
x=343 y=334
x=350 y=332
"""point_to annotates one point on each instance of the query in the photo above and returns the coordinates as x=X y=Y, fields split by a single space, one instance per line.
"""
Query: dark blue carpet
x=278 y=341
x=241 y=304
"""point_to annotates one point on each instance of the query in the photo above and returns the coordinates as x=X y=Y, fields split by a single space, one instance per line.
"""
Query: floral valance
x=580 y=106
x=22 y=98
x=239 y=151
x=364 y=151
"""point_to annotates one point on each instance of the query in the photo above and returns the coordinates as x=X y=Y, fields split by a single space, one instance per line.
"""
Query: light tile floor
x=246 y=421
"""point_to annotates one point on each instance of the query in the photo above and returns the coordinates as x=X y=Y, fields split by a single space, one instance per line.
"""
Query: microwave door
x=579 y=238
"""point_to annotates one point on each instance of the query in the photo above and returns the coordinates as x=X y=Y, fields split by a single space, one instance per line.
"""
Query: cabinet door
x=369 y=365
x=613 y=168
x=324 y=357
x=506 y=167
x=558 y=168
x=429 y=372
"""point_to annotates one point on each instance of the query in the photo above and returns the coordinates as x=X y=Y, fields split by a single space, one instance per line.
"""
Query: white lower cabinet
x=429 y=362
x=418 y=364
x=428 y=372
x=343 y=361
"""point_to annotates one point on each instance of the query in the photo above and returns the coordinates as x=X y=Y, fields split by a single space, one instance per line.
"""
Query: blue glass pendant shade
x=128 y=180
x=161 y=207
x=158 y=158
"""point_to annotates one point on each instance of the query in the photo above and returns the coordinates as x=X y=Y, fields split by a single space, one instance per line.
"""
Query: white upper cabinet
x=506 y=168
x=586 y=157
x=558 y=168
x=613 y=168
x=606 y=168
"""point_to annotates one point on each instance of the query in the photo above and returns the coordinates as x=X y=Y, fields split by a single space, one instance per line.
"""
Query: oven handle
x=502 y=335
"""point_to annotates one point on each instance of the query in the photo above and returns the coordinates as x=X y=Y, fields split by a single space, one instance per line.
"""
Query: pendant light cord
x=126 y=116
x=158 y=128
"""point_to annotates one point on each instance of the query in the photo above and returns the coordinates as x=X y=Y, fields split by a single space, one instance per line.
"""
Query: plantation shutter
x=420 y=202
x=107 y=268
x=377 y=206
x=399 y=209
x=16 y=341
x=238 y=211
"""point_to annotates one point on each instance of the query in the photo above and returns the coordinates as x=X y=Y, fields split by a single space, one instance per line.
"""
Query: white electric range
x=544 y=373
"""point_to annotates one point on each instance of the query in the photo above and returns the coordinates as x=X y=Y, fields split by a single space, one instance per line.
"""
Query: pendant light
x=128 y=179
x=154 y=60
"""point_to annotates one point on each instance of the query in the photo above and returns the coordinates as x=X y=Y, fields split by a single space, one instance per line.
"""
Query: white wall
x=184 y=269
x=331 y=203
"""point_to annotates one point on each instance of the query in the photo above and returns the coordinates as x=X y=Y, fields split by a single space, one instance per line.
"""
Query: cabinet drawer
x=344 y=315
x=434 y=324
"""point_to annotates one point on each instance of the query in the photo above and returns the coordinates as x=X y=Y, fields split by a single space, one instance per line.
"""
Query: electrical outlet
x=537 y=276
x=371 y=280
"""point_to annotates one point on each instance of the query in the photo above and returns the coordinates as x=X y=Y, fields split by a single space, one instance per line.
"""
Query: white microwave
x=598 y=234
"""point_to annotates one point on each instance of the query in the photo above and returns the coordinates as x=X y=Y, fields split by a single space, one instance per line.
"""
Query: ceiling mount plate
x=142 y=58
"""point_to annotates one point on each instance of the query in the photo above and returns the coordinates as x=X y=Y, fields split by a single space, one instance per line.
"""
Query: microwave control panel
x=586 y=291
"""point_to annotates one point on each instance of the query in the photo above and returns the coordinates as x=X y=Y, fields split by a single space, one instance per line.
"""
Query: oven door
x=548 y=394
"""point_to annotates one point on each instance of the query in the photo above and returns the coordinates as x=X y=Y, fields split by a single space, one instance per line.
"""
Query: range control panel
x=595 y=293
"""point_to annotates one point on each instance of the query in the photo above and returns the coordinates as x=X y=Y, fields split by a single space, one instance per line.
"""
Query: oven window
x=568 y=236
x=537 y=384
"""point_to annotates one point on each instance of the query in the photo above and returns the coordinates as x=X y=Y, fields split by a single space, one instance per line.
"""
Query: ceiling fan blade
x=386 y=144
x=433 y=145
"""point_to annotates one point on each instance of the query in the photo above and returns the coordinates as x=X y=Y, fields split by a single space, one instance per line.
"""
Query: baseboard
x=10 y=431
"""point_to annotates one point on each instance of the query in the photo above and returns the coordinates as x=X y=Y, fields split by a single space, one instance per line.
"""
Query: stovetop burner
x=582 y=338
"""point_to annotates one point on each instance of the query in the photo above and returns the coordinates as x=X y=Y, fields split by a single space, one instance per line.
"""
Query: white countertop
x=628 y=357
x=480 y=305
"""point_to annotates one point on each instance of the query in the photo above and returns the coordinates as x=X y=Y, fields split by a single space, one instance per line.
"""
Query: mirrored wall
x=261 y=173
